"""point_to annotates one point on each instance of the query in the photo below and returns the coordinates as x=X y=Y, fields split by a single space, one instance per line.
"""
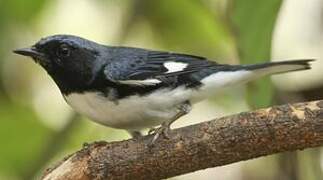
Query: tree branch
x=215 y=143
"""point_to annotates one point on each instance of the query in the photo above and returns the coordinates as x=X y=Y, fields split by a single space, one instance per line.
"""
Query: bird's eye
x=63 y=51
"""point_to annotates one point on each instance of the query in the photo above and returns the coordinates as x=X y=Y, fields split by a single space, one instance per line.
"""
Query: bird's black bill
x=31 y=52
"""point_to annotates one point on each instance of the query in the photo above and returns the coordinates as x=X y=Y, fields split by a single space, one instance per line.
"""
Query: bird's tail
x=238 y=74
x=280 y=67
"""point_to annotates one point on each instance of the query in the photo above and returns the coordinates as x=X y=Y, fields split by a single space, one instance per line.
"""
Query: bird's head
x=70 y=60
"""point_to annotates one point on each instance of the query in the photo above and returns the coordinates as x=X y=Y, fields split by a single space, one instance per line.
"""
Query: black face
x=68 y=59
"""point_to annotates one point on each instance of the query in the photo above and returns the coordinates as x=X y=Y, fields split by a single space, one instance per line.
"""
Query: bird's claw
x=165 y=127
x=157 y=132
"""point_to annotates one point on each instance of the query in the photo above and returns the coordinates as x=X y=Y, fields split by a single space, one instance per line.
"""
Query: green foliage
x=253 y=23
x=11 y=12
x=22 y=136
x=188 y=25
x=20 y=10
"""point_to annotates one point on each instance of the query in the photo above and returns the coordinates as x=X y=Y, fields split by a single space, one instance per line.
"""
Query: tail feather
x=238 y=74
x=281 y=66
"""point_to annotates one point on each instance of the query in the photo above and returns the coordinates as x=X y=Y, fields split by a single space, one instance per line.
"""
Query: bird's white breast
x=131 y=113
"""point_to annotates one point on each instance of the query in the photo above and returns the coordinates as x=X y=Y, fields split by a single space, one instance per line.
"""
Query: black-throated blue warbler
x=133 y=88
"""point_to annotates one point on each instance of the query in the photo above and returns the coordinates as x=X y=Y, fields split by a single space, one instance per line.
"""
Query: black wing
x=138 y=67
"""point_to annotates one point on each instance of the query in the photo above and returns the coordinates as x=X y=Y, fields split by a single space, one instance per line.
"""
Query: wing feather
x=155 y=67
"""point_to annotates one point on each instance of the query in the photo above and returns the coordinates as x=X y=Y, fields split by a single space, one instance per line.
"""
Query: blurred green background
x=37 y=128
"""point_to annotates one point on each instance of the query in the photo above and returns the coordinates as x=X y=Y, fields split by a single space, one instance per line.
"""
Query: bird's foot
x=164 y=129
x=157 y=132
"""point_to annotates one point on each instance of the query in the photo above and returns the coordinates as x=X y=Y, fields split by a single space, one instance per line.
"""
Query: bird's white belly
x=131 y=113
x=138 y=112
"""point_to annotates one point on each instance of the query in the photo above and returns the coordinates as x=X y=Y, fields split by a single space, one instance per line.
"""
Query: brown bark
x=215 y=143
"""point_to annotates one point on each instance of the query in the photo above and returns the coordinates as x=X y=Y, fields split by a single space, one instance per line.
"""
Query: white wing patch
x=146 y=82
x=175 y=66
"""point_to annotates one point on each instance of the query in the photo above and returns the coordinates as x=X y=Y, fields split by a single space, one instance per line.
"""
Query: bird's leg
x=182 y=110
x=135 y=134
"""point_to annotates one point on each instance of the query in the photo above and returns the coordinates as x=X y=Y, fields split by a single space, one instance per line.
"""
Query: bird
x=135 y=88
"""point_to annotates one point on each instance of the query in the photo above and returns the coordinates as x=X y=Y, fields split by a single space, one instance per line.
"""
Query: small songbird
x=133 y=88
